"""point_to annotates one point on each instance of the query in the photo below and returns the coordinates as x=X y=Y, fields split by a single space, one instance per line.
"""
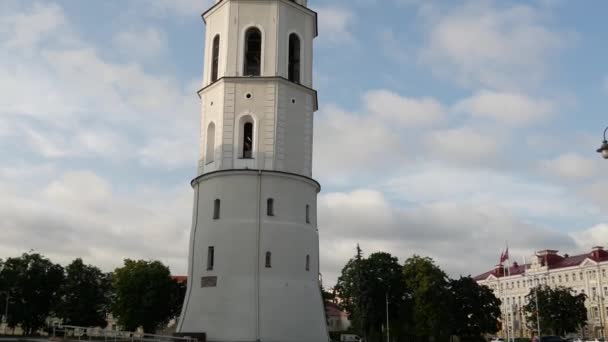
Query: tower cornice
x=253 y=171
x=313 y=92
x=291 y=3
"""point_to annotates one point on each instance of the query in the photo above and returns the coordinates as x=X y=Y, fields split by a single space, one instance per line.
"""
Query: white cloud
x=348 y=144
x=335 y=24
x=490 y=44
x=144 y=44
x=592 y=236
x=385 y=104
x=25 y=30
x=79 y=214
x=463 y=144
x=179 y=7
x=571 y=166
x=505 y=107
x=462 y=238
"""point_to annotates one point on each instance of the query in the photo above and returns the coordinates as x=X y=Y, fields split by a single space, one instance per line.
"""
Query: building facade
x=583 y=273
x=254 y=244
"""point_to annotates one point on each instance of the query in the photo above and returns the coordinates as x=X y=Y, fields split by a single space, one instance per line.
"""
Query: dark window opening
x=210 y=258
x=253 y=52
x=268 y=260
x=307 y=213
x=293 y=69
x=308 y=262
x=215 y=58
x=248 y=140
x=216 y=209
x=270 y=207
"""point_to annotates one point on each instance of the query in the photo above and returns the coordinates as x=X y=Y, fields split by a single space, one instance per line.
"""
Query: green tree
x=33 y=283
x=144 y=295
x=561 y=311
x=84 y=295
x=363 y=287
x=473 y=308
x=428 y=286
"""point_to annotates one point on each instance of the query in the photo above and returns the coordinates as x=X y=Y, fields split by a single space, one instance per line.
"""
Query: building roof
x=332 y=309
x=548 y=258
x=180 y=279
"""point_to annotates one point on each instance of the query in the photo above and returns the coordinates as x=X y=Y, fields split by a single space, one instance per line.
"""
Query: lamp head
x=604 y=149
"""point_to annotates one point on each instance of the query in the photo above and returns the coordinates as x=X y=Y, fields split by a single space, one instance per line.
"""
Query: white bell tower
x=254 y=246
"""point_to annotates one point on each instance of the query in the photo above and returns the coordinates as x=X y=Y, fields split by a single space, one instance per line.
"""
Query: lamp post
x=8 y=296
x=604 y=148
x=387 y=324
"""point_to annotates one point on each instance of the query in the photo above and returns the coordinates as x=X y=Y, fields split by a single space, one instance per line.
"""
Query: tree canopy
x=85 y=295
x=33 y=283
x=474 y=309
x=144 y=295
x=561 y=311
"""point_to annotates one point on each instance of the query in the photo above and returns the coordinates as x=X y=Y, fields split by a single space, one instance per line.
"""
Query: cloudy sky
x=446 y=128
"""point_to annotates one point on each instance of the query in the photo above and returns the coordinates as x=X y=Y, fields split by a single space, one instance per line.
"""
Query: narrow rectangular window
x=210 y=258
x=268 y=260
x=270 y=207
x=216 y=209
x=308 y=262
x=307 y=213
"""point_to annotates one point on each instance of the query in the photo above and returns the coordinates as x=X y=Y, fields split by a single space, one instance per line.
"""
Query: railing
x=72 y=333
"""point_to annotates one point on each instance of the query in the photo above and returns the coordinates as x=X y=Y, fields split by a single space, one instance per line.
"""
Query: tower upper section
x=257 y=96
x=259 y=38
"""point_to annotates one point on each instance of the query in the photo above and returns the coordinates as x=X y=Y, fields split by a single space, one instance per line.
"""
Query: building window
x=603 y=273
x=216 y=209
x=580 y=276
x=573 y=276
x=248 y=140
x=210 y=258
x=270 y=207
x=559 y=278
x=253 y=52
x=293 y=69
x=215 y=57
x=307 y=213
x=308 y=262
x=268 y=260
x=210 y=152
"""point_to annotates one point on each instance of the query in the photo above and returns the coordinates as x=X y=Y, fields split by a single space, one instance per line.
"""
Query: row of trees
x=423 y=301
x=138 y=294
x=425 y=304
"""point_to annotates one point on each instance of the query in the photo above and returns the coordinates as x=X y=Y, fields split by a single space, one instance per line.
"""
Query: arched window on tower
x=268 y=260
x=253 y=52
x=215 y=58
x=270 y=207
x=293 y=69
x=210 y=151
x=248 y=140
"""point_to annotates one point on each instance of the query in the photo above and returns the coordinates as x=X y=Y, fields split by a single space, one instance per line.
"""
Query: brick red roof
x=180 y=279
x=551 y=259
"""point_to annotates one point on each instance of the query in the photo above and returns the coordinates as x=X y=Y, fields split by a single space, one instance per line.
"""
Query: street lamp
x=8 y=296
x=604 y=148
x=387 y=326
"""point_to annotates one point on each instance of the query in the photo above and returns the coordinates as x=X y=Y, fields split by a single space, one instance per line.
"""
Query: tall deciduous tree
x=428 y=286
x=33 y=283
x=363 y=287
x=144 y=295
x=561 y=311
x=474 y=310
x=85 y=295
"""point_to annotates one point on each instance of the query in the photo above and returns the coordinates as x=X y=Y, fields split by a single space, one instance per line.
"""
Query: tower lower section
x=254 y=259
